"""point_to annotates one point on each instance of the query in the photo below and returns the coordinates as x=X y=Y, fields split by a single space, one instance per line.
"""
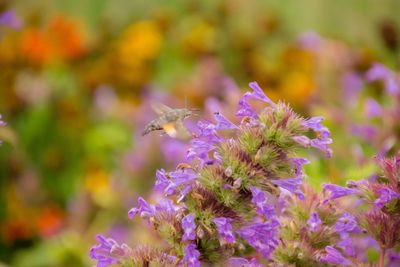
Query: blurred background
x=77 y=79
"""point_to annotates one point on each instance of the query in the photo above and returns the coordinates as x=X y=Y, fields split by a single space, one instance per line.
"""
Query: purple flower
x=336 y=191
x=224 y=228
x=346 y=224
x=352 y=85
x=385 y=195
x=2 y=123
x=298 y=164
x=334 y=257
x=145 y=210
x=302 y=140
x=322 y=144
x=367 y=132
x=261 y=236
x=108 y=251
x=310 y=40
x=313 y=222
x=245 y=109
x=223 y=123
x=372 y=108
x=258 y=94
x=291 y=184
x=188 y=227
x=176 y=181
x=347 y=245
x=260 y=200
x=10 y=19
x=192 y=255
x=242 y=262
x=379 y=72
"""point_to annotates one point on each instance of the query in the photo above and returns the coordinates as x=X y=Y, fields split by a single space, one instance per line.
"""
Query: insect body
x=170 y=120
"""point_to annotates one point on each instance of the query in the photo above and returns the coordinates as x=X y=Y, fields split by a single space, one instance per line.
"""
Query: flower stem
x=382 y=257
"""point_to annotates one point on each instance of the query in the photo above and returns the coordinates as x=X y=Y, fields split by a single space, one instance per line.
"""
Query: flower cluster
x=225 y=203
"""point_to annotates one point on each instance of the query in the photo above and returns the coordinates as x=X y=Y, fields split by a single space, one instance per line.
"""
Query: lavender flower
x=192 y=255
x=261 y=236
x=145 y=210
x=385 y=195
x=176 y=181
x=224 y=228
x=242 y=262
x=223 y=123
x=188 y=227
x=313 y=222
x=103 y=251
x=245 y=110
x=258 y=94
x=336 y=191
x=346 y=224
x=333 y=256
x=260 y=200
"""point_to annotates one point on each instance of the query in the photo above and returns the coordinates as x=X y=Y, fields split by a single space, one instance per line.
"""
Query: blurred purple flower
x=260 y=200
x=192 y=255
x=188 y=227
x=261 y=236
x=9 y=18
x=372 y=108
x=367 y=132
x=302 y=140
x=333 y=256
x=352 y=85
x=385 y=195
x=379 y=72
x=313 y=222
x=310 y=40
x=298 y=164
x=347 y=245
x=291 y=184
x=224 y=228
x=336 y=191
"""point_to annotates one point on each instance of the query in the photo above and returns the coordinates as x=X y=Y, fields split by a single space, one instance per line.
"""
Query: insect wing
x=160 y=108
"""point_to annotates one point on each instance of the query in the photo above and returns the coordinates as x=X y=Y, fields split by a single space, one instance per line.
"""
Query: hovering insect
x=170 y=120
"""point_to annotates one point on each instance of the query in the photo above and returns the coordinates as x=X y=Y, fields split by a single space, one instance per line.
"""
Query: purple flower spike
x=385 y=195
x=336 y=191
x=188 y=227
x=224 y=228
x=258 y=93
x=334 y=257
x=192 y=255
x=223 y=123
x=260 y=200
x=261 y=236
x=10 y=19
x=102 y=251
x=313 y=222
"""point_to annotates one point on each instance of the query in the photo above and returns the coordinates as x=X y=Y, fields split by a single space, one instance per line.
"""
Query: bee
x=170 y=121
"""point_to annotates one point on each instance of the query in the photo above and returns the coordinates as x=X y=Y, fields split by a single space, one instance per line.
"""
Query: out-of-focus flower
x=10 y=19
x=60 y=40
